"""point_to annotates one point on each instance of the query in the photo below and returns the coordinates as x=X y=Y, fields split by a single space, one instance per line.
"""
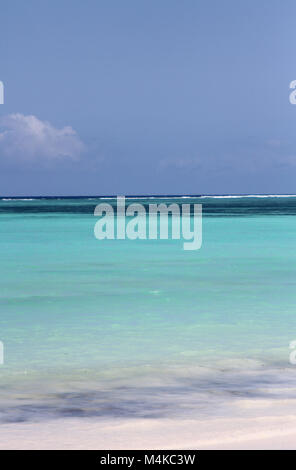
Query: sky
x=147 y=97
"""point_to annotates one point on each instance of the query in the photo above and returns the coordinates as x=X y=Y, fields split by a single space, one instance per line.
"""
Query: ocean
x=112 y=329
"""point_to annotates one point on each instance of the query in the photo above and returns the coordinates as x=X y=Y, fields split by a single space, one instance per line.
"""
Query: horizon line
x=130 y=196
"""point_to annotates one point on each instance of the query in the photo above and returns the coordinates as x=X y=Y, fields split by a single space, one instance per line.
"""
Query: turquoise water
x=129 y=328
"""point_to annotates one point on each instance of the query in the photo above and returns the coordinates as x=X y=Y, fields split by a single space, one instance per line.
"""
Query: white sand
x=244 y=423
x=262 y=432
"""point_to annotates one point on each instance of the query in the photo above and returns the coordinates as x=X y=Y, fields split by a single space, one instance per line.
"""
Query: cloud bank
x=27 y=138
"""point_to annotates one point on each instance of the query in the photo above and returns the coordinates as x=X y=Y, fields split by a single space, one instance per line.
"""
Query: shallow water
x=143 y=328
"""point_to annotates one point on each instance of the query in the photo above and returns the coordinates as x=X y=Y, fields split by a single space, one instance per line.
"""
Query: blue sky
x=143 y=97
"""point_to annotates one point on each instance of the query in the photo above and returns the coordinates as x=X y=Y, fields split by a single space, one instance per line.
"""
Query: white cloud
x=27 y=138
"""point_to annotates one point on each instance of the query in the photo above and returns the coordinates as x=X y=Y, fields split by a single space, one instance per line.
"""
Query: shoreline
x=264 y=432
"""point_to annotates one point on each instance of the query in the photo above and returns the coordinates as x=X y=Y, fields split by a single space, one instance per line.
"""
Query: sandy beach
x=265 y=425
x=261 y=433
